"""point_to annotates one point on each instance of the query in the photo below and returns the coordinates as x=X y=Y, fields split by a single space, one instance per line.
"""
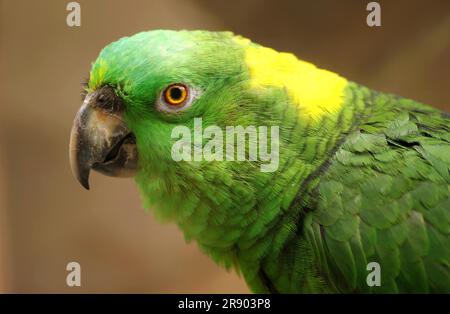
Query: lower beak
x=100 y=140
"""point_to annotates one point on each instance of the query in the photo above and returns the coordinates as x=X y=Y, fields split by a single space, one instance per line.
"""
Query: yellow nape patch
x=315 y=91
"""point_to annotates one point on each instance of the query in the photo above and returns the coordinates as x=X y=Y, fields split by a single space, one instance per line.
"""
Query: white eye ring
x=164 y=106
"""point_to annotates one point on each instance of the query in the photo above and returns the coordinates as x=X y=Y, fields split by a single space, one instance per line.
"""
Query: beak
x=100 y=139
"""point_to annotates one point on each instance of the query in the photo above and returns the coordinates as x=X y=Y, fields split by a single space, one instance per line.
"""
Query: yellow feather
x=97 y=75
x=316 y=91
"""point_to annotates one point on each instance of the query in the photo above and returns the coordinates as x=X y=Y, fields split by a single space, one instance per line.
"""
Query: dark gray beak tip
x=82 y=176
x=85 y=183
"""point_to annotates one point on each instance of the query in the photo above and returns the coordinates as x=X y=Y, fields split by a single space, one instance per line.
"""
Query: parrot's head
x=141 y=87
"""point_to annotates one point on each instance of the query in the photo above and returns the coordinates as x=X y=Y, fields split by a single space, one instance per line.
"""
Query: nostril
x=107 y=99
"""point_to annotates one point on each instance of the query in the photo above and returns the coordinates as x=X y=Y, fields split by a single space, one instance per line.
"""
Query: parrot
x=359 y=201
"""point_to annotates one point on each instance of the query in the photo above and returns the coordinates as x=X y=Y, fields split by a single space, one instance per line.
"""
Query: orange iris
x=175 y=94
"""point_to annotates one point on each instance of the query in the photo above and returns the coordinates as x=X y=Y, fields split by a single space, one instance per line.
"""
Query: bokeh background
x=48 y=220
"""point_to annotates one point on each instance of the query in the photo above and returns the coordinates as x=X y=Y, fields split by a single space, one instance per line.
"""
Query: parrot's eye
x=175 y=94
x=177 y=97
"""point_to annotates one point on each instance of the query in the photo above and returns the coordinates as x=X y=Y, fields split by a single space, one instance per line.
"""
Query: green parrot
x=359 y=200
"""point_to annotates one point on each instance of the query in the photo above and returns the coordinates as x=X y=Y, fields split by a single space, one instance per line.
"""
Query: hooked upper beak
x=100 y=139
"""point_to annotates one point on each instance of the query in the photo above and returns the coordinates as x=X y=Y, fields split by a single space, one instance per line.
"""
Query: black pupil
x=176 y=93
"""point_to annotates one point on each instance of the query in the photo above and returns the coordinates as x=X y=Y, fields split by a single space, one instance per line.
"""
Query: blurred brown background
x=48 y=220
